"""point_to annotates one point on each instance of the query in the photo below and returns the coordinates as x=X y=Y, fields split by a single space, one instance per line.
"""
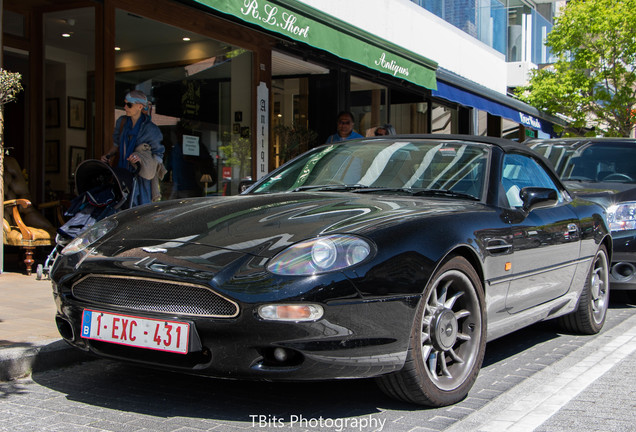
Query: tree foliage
x=593 y=82
x=237 y=152
x=10 y=86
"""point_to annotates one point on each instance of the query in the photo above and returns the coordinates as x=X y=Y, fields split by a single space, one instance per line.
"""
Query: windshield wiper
x=421 y=192
x=369 y=189
x=579 y=179
x=330 y=187
x=445 y=192
x=359 y=188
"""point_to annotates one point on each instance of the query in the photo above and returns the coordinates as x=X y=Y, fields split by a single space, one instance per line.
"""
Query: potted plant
x=237 y=152
x=293 y=140
x=10 y=86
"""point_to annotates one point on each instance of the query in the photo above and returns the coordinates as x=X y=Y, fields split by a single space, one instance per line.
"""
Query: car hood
x=603 y=193
x=261 y=225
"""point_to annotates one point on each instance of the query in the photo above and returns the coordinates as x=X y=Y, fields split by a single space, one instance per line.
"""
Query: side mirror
x=245 y=185
x=536 y=197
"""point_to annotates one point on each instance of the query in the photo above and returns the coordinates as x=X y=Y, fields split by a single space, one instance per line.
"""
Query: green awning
x=305 y=24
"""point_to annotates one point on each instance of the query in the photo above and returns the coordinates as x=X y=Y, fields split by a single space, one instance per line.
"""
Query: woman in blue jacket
x=131 y=130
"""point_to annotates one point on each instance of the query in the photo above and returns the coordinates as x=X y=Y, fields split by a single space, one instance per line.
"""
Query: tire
x=39 y=272
x=590 y=313
x=449 y=325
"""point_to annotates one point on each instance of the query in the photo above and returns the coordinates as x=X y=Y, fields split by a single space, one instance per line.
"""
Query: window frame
x=554 y=183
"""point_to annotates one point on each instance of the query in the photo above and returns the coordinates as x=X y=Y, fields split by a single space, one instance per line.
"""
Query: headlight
x=90 y=236
x=320 y=255
x=622 y=216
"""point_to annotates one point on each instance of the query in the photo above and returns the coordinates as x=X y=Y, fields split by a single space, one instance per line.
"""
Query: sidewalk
x=589 y=390
x=29 y=339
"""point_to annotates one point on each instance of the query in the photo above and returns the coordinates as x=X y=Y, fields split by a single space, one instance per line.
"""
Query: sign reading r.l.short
x=310 y=26
x=285 y=21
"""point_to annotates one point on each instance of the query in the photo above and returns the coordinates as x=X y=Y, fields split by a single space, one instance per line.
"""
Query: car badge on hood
x=152 y=249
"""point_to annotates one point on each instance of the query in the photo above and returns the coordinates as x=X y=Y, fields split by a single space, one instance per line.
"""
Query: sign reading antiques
x=392 y=66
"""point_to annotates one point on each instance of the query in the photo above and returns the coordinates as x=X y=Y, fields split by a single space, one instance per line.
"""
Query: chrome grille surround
x=153 y=295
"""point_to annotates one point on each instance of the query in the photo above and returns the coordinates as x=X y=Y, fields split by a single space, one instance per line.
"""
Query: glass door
x=201 y=99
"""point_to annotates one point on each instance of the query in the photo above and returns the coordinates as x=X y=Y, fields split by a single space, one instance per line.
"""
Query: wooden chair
x=23 y=225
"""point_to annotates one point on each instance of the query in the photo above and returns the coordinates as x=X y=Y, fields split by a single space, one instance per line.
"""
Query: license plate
x=162 y=335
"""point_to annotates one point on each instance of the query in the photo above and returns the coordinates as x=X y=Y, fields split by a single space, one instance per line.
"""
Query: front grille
x=152 y=295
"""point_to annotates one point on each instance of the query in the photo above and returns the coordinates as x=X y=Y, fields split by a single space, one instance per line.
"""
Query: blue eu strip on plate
x=86 y=324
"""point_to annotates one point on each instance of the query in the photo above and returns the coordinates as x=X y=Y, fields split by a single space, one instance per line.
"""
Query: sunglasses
x=129 y=104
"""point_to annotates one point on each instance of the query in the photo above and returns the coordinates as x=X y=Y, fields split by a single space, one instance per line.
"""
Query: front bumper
x=355 y=338
x=623 y=269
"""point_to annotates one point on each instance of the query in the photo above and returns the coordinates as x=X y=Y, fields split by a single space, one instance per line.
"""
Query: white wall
x=414 y=28
x=519 y=73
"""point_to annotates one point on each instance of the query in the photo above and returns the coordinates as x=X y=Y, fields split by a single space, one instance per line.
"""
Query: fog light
x=280 y=354
x=310 y=312
x=278 y=357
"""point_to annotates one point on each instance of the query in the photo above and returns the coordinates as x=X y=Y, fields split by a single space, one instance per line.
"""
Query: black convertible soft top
x=506 y=145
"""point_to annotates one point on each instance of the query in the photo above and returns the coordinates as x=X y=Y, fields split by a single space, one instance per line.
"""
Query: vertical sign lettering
x=262 y=131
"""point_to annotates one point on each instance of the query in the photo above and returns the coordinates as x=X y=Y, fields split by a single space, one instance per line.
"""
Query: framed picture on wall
x=76 y=157
x=52 y=113
x=52 y=156
x=76 y=113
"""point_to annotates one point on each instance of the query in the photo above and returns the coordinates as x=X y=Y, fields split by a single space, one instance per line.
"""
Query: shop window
x=16 y=121
x=201 y=95
x=482 y=122
x=512 y=130
x=494 y=125
x=369 y=104
x=13 y=24
x=444 y=120
x=69 y=39
x=409 y=112
x=290 y=117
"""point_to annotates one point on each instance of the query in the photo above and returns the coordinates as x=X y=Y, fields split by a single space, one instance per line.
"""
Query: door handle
x=498 y=246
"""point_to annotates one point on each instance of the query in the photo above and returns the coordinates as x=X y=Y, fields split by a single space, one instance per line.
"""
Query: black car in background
x=603 y=170
x=392 y=257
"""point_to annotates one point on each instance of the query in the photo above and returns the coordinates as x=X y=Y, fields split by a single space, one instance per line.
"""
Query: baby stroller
x=101 y=191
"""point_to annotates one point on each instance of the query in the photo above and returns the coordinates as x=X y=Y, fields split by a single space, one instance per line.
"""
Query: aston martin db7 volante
x=391 y=257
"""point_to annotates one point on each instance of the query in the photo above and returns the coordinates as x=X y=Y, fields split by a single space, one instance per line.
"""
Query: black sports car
x=395 y=257
x=603 y=170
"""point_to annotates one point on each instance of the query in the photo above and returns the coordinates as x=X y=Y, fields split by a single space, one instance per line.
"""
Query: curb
x=20 y=361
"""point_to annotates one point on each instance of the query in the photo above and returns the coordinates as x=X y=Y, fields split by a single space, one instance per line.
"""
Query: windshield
x=385 y=165
x=591 y=162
